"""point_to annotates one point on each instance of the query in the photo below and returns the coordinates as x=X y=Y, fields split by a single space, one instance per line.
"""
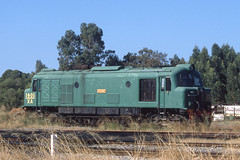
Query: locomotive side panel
x=49 y=94
x=109 y=90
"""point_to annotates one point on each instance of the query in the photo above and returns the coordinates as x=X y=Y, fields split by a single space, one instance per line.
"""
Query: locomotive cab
x=32 y=95
x=197 y=97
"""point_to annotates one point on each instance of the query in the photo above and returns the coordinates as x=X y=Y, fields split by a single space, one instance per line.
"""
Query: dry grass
x=17 y=118
x=71 y=148
x=107 y=124
x=223 y=126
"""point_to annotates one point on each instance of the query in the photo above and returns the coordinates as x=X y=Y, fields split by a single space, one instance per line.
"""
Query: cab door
x=37 y=90
x=165 y=89
x=162 y=93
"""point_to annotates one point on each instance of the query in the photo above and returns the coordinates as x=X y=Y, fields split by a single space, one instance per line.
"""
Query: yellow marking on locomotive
x=30 y=97
x=101 y=90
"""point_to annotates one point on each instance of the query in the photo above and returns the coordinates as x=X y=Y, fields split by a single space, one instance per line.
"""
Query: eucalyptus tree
x=69 y=48
x=84 y=49
x=39 y=66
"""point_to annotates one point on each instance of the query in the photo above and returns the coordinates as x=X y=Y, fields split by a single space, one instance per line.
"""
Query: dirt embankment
x=17 y=112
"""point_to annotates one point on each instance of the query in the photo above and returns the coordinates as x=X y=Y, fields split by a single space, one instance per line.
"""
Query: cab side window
x=168 y=84
x=34 y=87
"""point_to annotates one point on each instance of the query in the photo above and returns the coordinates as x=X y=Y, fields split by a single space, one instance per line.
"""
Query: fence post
x=234 y=113
x=53 y=142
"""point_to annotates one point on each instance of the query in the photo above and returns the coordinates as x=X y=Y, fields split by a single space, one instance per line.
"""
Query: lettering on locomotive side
x=30 y=97
x=101 y=90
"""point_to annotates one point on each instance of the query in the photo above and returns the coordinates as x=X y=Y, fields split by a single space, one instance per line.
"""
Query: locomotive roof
x=119 y=69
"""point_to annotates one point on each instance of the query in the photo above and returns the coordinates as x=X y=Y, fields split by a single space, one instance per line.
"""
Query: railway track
x=124 y=136
x=209 y=149
x=93 y=136
x=126 y=142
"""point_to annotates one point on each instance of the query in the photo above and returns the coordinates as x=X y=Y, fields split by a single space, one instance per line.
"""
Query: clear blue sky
x=30 y=30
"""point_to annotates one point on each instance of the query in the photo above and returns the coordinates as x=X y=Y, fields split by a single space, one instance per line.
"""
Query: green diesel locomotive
x=173 y=93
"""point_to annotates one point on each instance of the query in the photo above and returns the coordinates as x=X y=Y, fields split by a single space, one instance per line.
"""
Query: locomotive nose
x=205 y=95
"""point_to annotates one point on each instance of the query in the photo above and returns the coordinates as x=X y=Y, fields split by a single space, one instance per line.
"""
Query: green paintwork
x=106 y=87
x=108 y=68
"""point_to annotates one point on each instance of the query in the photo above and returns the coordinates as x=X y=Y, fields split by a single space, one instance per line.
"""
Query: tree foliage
x=220 y=72
x=84 y=49
x=69 y=49
x=176 y=60
x=233 y=82
x=92 y=44
x=12 y=86
x=39 y=66
x=113 y=60
x=145 y=58
x=130 y=59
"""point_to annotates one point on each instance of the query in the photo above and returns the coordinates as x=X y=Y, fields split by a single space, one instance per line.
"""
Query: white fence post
x=53 y=142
